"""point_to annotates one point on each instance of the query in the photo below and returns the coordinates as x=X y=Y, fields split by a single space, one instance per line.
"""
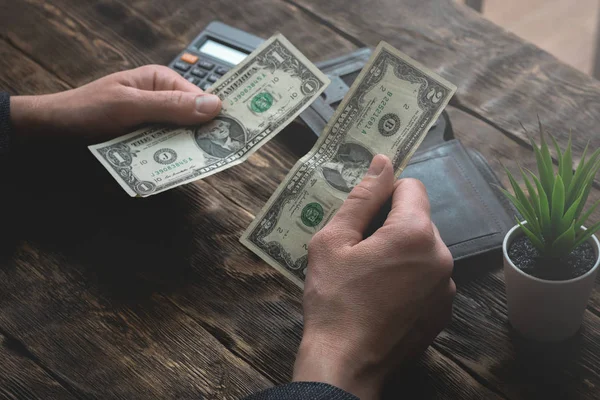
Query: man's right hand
x=370 y=304
x=114 y=105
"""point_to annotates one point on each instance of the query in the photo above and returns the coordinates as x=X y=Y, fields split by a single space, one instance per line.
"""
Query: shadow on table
x=528 y=369
x=297 y=138
x=545 y=370
x=476 y=267
x=538 y=371
x=59 y=199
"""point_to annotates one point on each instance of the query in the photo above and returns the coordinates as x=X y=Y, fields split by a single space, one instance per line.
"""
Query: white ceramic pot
x=548 y=311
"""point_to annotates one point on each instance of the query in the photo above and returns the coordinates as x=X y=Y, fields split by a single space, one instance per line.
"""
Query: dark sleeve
x=5 y=126
x=303 y=391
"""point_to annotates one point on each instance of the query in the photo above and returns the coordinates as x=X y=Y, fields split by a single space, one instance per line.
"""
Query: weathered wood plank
x=186 y=18
x=88 y=39
x=80 y=48
x=95 y=322
x=501 y=78
x=22 y=378
x=19 y=74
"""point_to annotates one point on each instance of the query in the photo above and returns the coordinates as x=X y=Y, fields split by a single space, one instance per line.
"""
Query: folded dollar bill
x=260 y=96
x=388 y=110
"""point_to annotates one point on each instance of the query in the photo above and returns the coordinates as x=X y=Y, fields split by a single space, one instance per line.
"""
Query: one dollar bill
x=388 y=110
x=260 y=96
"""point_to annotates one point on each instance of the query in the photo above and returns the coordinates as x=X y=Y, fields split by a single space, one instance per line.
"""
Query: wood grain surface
x=22 y=376
x=103 y=296
x=501 y=79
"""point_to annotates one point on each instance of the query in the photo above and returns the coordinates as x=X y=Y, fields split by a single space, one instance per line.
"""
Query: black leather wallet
x=470 y=212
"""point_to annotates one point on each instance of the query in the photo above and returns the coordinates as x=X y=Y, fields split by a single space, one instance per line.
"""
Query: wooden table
x=103 y=296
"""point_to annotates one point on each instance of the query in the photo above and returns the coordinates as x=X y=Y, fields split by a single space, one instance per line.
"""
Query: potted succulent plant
x=551 y=259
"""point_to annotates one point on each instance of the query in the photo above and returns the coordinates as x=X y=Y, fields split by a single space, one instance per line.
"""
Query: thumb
x=365 y=200
x=175 y=107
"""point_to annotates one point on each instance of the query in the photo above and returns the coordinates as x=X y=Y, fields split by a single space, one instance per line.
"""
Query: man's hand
x=114 y=105
x=370 y=304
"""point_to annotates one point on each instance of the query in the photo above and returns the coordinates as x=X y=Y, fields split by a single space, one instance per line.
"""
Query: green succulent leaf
x=564 y=242
x=530 y=212
x=585 y=235
x=587 y=145
x=566 y=166
x=592 y=172
x=586 y=186
x=558 y=204
x=579 y=180
x=539 y=244
x=547 y=157
x=559 y=154
x=546 y=228
x=518 y=205
x=569 y=217
x=545 y=172
x=581 y=221
x=584 y=195
x=532 y=195
x=578 y=171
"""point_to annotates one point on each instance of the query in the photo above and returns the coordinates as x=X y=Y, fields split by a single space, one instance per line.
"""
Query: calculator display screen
x=220 y=51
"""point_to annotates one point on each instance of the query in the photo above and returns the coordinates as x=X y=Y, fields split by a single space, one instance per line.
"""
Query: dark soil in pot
x=526 y=257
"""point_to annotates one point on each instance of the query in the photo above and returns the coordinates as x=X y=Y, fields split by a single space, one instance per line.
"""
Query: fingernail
x=207 y=104
x=377 y=165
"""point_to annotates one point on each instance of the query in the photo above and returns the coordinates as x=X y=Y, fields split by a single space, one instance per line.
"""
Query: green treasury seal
x=262 y=102
x=312 y=214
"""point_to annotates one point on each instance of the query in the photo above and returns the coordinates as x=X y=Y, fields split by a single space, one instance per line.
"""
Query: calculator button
x=204 y=85
x=189 y=58
x=200 y=73
x=193 y=80
x=182 y=66
x=221 y=70
x=213 y=78
x=206 y=65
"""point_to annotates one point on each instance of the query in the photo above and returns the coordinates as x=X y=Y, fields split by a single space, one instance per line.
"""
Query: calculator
x=213 y=53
